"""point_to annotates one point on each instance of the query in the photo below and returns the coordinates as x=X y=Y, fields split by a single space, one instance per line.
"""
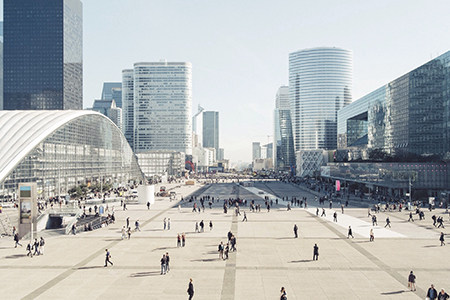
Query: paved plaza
x=267 y=258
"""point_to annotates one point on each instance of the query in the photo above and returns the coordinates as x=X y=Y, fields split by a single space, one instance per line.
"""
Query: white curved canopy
x=22 y=130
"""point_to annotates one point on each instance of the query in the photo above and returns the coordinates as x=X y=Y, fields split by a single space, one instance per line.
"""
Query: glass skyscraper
x=157 y=106
x=211 y=130
x=43 y=54
x=320 y=83
x=283 y=143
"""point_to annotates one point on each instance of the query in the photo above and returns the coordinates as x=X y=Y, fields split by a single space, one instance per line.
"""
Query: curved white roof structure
x=22 y=130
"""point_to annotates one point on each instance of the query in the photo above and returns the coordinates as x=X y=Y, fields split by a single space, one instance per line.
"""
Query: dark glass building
x=43 y=54
x=211 y=130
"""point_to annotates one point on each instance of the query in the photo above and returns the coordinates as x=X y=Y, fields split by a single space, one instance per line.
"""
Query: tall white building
x=320 y=83
x=158 y=106
x=282 y=98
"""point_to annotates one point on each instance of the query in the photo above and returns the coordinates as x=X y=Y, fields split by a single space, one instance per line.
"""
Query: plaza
x=267 y=258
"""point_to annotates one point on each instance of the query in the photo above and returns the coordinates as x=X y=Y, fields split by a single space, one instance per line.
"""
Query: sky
x=239 y=49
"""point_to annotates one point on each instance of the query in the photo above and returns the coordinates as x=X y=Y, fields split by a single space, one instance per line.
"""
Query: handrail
x=69 y=226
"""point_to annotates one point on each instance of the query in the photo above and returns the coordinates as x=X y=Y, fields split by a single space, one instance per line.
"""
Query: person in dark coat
x=190 y=289
x=412 y=281
x=295 y=230
x=316 y=252
x=350 y=232
x=441 y=238
x=442 y=295
x=432 y=293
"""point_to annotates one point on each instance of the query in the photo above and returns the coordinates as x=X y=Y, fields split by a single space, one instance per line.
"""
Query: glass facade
x=161 y=163
x=83 y=147
x=411 y=114
x=128 y=105
x=284 y=154
x=210 y=130
x=320 y=83
x=161 y=117
x=43 y=57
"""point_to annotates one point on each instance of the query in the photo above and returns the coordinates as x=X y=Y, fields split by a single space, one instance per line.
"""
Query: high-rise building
x=320 y=83
x=43 y=54
x=283 y=143
x=221 y=155
x=158 y=106
x=211 y=130
x=197 y=126
x=256 y=150
x=113 y=90
x=109 y=109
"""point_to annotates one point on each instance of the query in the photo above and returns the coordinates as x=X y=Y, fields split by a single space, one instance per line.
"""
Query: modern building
x=269 y=150
x=109 y=109
x=113 y=91
x=60 y=149
x=283 y=144
x=43 y=55
x=161 y=162
x=157 y=101
x=197 y=126
x=320 y=83
x=409 y=115
x=256 y=150
x=211 y=130
x=221 y=155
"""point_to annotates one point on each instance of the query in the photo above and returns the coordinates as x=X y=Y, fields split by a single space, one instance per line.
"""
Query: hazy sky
x=239 y=49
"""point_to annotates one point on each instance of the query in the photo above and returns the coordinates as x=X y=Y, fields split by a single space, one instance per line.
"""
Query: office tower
x=320 y=83
x=211 y=130
x=283 y=144
x=109 y=109
x=221 y=155
x=43 y=54
x=197 y=126
x=157 y=101
x=113 y=90
x=256 y=150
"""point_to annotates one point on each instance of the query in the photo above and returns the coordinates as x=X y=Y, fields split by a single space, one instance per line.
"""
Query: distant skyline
x=239 y=50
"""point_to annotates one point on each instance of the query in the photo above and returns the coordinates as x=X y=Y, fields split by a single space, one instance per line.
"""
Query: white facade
x=162 y=106
x=197 y=126
x=320 y=83
x=282 y=98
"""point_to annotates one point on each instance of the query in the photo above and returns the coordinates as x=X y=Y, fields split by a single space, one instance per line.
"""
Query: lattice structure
x=309 y=161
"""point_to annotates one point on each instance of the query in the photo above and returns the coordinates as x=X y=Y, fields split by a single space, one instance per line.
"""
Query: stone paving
x=268 y=255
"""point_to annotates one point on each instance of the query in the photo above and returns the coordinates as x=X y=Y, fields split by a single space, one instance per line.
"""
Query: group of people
x=37 y=246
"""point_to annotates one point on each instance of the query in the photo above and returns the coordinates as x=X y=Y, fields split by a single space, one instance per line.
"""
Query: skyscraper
x=211 y=130
x=283 y=143
x=256 y=150
x=43 y=54
x=197 y=126
x=113 y=90
x=157 y=101
x=320 y=83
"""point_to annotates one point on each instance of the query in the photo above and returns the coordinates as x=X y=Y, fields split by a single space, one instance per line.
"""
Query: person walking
x=210 y=225
x=432 y=293
x=163 y=265
x=148 y=205
x=372 y=236
x=36 y=247
x=168 y=224
x=190 y=289
x=283 y=295
x=167 y=262
x=388 y=223
x=16 y=240
x=196 y=227
x=335 y=217
x=350 y=232
x=30 y=249
x=124 y=232
x=107 y=258
x=323 y=213
x=410 y=217
x=202 y=226
x=315 y=252
x=164 y=223
x=178 y=241
x=441 y=238
x=41 y=246
x=412 y=281
x=245 y=217
x=128 y=222
x=295 y=230
x=374 y=221
x=342 y=208
x=183 y=240
x=443 y=295
x=317 y=212
x=129 y=232
x=136 y=224
x=221 y=248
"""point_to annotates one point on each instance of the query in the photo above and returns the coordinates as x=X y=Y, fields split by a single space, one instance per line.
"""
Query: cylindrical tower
x=320 y=83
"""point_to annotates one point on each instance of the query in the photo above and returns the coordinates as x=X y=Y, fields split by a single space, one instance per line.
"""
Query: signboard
x=338 y=185
x=27 y=207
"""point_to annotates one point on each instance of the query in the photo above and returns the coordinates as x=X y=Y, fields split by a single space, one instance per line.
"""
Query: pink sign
x=338 y=185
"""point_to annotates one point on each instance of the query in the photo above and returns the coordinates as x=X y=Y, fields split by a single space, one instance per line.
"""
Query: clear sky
x=239 y=49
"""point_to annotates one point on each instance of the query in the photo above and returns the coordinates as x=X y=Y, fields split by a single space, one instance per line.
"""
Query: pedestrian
x=410 y=217
x=125 y=206
x=183 y=240
x=432 y=293
x=342 y=208
x=368 y=212
x=210 y=225
x=441 y=238
x=128 y=222
x=16 y=240
x=148 y=205
x=388 y=223
x=374 y=221
x=196 y=227
x=372 y=236
x=245 y=217
x=178 y=241
x=202 y=225
x=108 y=256
x=164 y=223
x=227 y=249
x=233 y=243
x=283 y=295
x=317 y=212
x=30 y=249
x=41 y=246
x=36 y=247
x=129 y=232
x=316 y=252
x=163 y=265
x=137 y=225
x=220 y=250
x=335 y=217
x=412 y=281
x=74 y=229
x=167 y=262
x=230 y=234
x=168 y=223
x=443 y=295
x=190 y=289
x=350 y=232
x=323 y=213
x=295 y=230
x=124 y=232
x=179 y=208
